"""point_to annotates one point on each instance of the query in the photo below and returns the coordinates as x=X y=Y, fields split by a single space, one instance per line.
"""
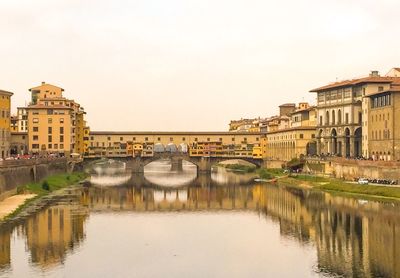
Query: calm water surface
x=175 y=224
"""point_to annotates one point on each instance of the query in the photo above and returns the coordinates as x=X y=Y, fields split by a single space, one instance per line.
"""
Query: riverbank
x=341 y=186
x=28 y=193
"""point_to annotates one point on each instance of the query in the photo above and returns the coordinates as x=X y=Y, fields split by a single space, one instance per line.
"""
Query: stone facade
x=383 y=126
x=342 y=111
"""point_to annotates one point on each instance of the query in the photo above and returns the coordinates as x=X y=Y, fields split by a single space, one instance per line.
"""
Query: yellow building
x=294 y=141
x=5 y=123
x=49 y=129
x=211 y=143
x=383 y=127
x=80 y=125
x=55 y=124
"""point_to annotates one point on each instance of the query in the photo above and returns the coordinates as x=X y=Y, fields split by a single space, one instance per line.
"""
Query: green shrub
x=45 y=185
x=265 y=174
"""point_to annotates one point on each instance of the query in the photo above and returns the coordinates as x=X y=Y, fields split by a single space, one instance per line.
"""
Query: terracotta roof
x=43 y=83
x=352 y=82
x=6 y=92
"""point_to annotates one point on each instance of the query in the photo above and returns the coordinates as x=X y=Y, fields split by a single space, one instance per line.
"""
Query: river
x=178 y=224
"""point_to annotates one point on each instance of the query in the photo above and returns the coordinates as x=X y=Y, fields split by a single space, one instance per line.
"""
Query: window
x=50 y=138
x=146 y=139
x=61 y=120
x=159 y=139
x=49 y=111
x=35 y=120
x=301 y=136
x=61 y=146
x=35 y=138
x=121 y=138
x=35 y=129
x=49 y=130
x=347 y=118
x=61 y=139
x=35 y=146
x=55 y=146
x=62 y=130
x=50 y=146
x=183 y=139
x=50 y=120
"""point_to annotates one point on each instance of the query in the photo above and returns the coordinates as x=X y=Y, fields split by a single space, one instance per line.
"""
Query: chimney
x=374 y=73
x=43 y=82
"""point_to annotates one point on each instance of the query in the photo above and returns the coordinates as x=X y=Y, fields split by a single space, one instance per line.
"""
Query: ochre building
x=5 y=123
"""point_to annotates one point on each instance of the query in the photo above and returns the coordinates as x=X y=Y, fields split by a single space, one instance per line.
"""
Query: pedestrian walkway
x=10 y=204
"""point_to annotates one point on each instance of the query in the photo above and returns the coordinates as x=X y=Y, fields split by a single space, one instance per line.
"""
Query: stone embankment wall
x=18 y=172
x=274 y=164
x=350 y=169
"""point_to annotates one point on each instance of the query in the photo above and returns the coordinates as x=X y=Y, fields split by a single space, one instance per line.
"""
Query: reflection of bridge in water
x=352 y=238
x=156 y=199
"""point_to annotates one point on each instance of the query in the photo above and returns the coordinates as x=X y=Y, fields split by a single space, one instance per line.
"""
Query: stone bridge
x=203 y=164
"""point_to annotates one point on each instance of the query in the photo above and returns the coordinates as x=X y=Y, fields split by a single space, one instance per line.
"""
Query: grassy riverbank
x=45 y=187
x=341 y=186
x=51 y=183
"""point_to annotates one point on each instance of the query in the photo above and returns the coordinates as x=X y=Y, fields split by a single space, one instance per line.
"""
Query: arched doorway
x=347 y=142
x=311 y=148
x=333 y=142
x=358 y=142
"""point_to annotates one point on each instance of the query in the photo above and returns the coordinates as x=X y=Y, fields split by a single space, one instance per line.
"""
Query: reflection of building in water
x=352 y=238
x=52 y=232
x=288 y=206
x=358 y=242
x=4 y=248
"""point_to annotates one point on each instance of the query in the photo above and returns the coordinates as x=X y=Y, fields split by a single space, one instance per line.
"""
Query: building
x=13 y=124
x=55 y=124
x=229 y=144
x=19 y=143
x=22 y=119
x=296 y=137
x=383 y=128
x=342 y=112
x=286 y=109
x=246 y=125
x=5 y=123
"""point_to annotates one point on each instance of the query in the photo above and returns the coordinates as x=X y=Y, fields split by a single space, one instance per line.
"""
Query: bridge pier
x=204 y=165
x=136 y=165
x=176 y=164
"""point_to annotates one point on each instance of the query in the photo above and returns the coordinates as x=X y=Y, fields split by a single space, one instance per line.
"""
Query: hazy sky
x=190 y=65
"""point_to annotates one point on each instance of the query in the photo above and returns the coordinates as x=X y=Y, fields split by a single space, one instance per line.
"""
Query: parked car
x=363 y=181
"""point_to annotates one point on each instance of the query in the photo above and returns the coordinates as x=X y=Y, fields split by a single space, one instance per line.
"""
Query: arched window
x=333 y=117
x=339 y=117
x=327 y=118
